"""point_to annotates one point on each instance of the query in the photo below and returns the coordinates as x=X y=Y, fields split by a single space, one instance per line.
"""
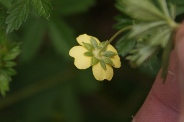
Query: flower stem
x=114 y=36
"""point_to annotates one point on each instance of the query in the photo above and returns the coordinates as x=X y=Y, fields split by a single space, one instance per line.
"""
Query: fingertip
x=179 y=33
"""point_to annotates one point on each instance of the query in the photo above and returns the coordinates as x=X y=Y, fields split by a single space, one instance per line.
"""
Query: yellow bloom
x=92 y=52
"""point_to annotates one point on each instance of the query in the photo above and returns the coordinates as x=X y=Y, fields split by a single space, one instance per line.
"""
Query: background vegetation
x=49 y=88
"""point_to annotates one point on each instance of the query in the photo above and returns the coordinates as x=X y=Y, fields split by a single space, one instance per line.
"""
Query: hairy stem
x=114 y=36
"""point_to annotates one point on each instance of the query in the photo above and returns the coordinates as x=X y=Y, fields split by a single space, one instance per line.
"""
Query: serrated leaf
x=94 y=42
x=161 y=37
x=94 y=61
x=13 y=53
x=4 y=83
x=9 y=64
x=109 y=54
x=11 y=56
x=124 y=45
x=43 y=7
x=151 y=66
x=143 y=10
x=89 y=54
x=140 y=54
x=103 y=65
x=172 y=10
x=17 y=14
x=164 y=7
x=143 y=28
x=10 y=71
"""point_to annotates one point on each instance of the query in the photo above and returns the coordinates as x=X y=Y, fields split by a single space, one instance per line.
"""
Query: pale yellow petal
x=116 y=58
x=85 y=38
x=101 y=74
x=81 y=61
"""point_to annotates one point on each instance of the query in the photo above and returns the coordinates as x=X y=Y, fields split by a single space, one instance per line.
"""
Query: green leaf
x=18 y=13
x=151 y=66
x=143 y=10
x=43 y=7
x=142 y=28
x=89 y=54
x=164 y=7
x=94 y=42
x=9 y=64
x=161 y=37
x=103 y=65
x=6 y=3
x=94 y=61
x=178 y=2
x=13 y=51
x=4 y=83
x=124 y=45
x=10 y=71
x=141 y=54
x=109 y=54
x=179 y=9
x=179 y=6
x=172 y=10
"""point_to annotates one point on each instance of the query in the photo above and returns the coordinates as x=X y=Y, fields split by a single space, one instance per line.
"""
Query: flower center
x=97 y=54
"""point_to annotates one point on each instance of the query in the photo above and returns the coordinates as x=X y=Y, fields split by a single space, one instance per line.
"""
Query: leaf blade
x=43 y=7
x=18 y=13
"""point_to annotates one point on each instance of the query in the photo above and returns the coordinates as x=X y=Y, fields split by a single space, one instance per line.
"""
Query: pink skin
x=165 y=102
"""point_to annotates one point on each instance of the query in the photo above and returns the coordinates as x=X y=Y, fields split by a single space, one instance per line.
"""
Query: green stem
x=114 y=36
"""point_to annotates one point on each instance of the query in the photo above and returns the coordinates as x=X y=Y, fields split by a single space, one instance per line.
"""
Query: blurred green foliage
x=48 y=88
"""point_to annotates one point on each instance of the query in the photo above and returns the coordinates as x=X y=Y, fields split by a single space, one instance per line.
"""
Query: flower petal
x=116 y=58
x=101 y=74
x=81 y=61
x=86 y=39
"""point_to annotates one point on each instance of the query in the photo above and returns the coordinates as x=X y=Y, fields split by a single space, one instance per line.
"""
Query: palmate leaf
x=151 y=66
x=124 y=45
x=18 y=13
x=140 y=54
x=152 y=26
x=8 y=52
x=143 y=10
x=43 y=7
x=142 y=28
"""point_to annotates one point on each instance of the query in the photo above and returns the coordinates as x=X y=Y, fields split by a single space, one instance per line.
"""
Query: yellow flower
x=100 y=55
